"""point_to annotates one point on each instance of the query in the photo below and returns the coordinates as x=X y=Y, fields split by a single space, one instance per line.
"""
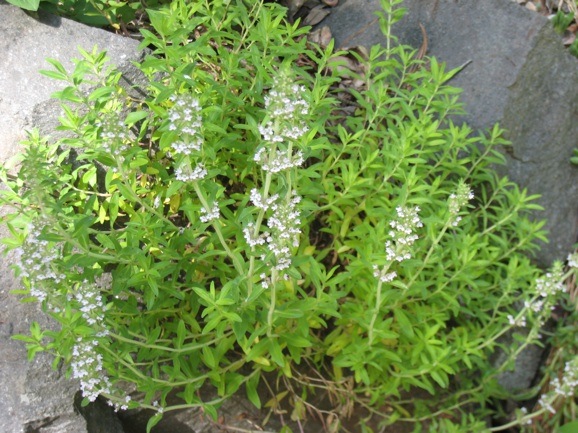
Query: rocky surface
x=33 y=397
x=519 y=75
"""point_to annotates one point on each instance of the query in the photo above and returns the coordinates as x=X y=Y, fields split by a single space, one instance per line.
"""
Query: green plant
x=561 y=21
x=232 y=226
x=574 y=159
x=114 y=13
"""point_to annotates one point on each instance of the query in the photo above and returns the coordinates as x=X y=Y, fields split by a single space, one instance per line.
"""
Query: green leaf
x=138 y=162
x=440 y=377
x=251 y=388
x=276 y=353
x=289 y=313
x=30 y=5
x=209 y=357
x=134 y=117
x=189 y=393
x=204 y=295
x=404 y=323
x=153 y=421
x=160 y=21
x=181 y=333
x=54 y=74
x=569 y=428
x=211 y=411
x=100 y=93
x=296 y=340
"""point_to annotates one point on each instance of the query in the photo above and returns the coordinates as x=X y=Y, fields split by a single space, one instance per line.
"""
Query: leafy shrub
x=233 y=225
x=100 y=13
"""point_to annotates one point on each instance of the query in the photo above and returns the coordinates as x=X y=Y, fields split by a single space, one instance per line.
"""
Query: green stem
x=218 y=231
x=184 y=349
x=518 y=422
x=375 y=311
x=271 y=313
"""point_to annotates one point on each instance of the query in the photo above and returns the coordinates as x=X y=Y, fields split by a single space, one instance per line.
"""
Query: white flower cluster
x=573 y=260
x=120 y=406
x=114 y=133
x=35 y=259
x=286 y=110
x=185 y=173
x=252 y=238
x=285 y=123
x=402 y=234
x=260 y=202
x=159 y=408
x=92 y=306
x=208 y=215
x=547 y=289
x=87 y=367
x=265 y=281
x=550 y=284
x=565 y=387
x=185 y=118
x=457 y=201
x=284 y=226
x=517 y=321
x=383 y=275
x=280 y=162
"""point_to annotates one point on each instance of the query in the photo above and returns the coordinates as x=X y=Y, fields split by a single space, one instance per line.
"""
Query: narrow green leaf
x=153 y=421
x=181 y=333
x=54 y=74
x=405 y=325
x=569 y=428
x=134 y=117
x=251 y=389
x=30 y=5
x=101 y=92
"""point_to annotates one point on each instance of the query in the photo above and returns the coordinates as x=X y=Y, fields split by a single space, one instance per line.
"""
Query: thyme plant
x=231 y=227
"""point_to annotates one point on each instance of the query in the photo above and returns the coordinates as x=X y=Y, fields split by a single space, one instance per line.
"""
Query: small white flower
x=382 y=275
x=185 y=174
x=210 y=214
x=550 y=284
x=260 y=202
x=402 y=234
x=254 y=239
x=113 y=133
x=520 y=321
x=87 y=367
x=573 y=260
x=281 y=161
x=185 y=118
x=457 y=201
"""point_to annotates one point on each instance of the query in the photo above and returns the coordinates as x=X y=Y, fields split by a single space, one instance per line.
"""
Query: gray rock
x=520 y=76
x=99 y=416
x=34 y=398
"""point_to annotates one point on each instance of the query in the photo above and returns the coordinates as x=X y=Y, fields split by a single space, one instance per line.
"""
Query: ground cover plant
x=119 y=15
x=228 y=226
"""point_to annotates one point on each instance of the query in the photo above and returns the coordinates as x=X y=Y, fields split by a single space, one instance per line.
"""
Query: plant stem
x=270 y=314
x=217 y=228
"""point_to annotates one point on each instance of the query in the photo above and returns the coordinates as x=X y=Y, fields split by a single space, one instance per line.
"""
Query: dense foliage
x=228 y=224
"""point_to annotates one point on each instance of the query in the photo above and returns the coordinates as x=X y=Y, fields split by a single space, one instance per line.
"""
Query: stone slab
x=33 y=397
x=519 y=76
